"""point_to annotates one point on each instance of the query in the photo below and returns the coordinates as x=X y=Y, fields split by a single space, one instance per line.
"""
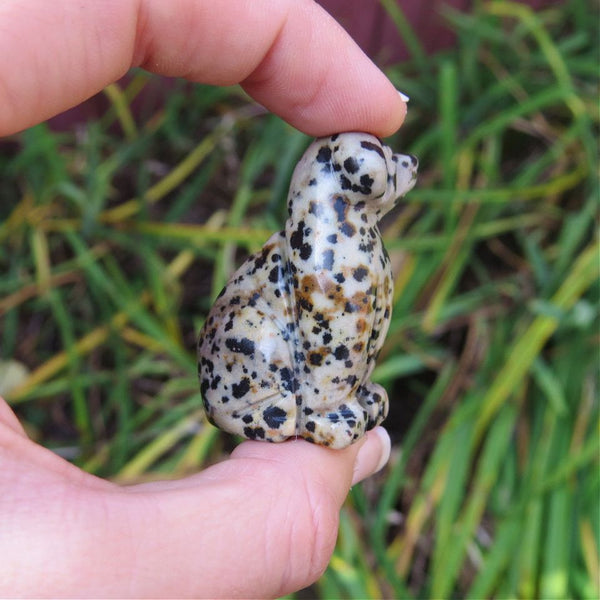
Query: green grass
x=116 y=236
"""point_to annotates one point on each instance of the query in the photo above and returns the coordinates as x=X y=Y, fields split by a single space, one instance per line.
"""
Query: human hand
x=258 y=525
x=264 y=522
x=289 y=55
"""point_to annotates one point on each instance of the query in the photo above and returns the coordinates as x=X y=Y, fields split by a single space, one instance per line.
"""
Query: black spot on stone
x=241 y=389
x=254 y=299
x=328 y=259
x=305 y=304
x=351 y=165
x=339 y=277
x=288 y=381
x=274 y=275
x=351 y=380
x=333 y=417
x=351 y=307
x=274 y=416
x=345 y=183
x=262 y=258
x=254 y=433
x=348 y=229
x=346 y=412
x=297 y=241
x=305 y=251
x=340 y=207
x=332 y=239
x=327 y=337
x=310 y=426
x=312 y=182
x=243 y=345
x=314 y=208
x=341 y=352
x=374 y=147
x=360 y=273
x=247 y=418
x=366 y=183
x=315 y=359
x=204 y=385
x=324 y=154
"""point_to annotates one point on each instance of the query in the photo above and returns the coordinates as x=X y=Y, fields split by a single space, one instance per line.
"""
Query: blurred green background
x=117 y=233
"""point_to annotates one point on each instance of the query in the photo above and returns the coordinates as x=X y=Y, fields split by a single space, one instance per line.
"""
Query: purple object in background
x=371 y=27
x=369 y=24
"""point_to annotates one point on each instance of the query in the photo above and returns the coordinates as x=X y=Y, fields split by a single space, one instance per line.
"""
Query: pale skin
x=264 y=522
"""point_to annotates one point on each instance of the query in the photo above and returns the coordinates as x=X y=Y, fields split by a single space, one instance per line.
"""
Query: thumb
x=261 y=524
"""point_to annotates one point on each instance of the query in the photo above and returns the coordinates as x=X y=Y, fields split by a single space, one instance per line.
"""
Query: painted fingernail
x=403 y=97
x=373 y=455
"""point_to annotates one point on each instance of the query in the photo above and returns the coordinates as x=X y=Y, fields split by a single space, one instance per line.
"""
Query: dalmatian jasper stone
x=290 y=344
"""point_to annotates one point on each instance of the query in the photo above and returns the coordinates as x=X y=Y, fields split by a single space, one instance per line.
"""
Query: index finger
x=290 y=55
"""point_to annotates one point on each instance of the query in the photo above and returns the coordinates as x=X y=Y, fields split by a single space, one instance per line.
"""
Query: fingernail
x=403 y=97
x=373 y=454
x=386 y=447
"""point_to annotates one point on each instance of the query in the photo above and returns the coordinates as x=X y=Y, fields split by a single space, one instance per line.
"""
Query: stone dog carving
x=290 y=344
